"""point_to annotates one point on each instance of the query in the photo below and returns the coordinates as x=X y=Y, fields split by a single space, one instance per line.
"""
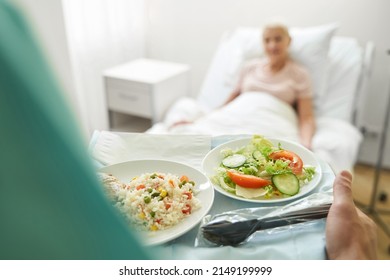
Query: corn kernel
x=142 y=215
x=163 y=193
x=153 y=227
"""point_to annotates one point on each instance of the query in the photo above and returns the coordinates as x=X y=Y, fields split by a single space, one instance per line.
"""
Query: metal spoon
x=234 y=233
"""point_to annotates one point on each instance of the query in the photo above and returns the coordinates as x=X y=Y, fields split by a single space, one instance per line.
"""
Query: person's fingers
x=342 y=189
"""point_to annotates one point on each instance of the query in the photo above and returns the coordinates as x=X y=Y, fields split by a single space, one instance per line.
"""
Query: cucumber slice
x=286 y=183
x=233 y=161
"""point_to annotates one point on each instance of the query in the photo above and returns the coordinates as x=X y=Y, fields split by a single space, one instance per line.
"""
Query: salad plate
x=126 y=171
x=212 y=162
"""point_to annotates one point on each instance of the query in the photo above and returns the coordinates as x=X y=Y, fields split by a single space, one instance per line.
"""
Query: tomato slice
x=247 y=181
x=296 y=163
x=188 y=194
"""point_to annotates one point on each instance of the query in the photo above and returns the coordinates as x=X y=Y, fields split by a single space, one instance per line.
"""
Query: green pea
x=155 y=194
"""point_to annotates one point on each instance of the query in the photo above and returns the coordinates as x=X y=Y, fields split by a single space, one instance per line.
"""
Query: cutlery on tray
x=234 y=233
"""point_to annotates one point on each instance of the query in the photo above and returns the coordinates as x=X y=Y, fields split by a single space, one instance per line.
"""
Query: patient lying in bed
x=271 y=106
x=278 y=75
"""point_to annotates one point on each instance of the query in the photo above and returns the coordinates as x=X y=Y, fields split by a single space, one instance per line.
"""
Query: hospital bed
x=340 y=69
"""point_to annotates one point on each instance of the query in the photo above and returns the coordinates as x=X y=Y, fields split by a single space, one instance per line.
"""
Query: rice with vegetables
x=156 y=201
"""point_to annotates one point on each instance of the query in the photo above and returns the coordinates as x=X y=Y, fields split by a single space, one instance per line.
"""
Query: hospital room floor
x=362 y=188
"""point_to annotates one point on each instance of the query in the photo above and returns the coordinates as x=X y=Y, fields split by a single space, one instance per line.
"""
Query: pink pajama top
x=289 y=84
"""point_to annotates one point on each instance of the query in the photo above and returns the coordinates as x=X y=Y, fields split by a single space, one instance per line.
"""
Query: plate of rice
x=160 y=199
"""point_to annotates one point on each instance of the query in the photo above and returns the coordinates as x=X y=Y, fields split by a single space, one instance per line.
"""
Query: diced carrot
x=184 y=178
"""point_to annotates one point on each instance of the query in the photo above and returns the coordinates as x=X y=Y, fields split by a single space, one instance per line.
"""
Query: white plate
x=214 y=158
x=127 y=170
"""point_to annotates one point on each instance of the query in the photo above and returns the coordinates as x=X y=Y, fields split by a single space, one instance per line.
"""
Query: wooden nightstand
x=145 y=87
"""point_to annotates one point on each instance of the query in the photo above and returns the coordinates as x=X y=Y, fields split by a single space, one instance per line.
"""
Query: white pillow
x=345 y=65
x=309 y=47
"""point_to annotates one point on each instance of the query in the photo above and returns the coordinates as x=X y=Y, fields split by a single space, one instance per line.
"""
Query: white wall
x=101 y=34
x=188 y=31
x=80 y=39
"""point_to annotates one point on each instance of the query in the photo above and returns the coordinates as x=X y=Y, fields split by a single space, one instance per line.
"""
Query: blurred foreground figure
x=51 y=202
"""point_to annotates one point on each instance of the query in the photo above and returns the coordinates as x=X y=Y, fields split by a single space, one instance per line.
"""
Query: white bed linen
x=251 y=112
x=261 y=113
x=337 y=142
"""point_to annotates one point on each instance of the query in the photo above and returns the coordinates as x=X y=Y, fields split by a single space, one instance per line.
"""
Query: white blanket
x=335 y=141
